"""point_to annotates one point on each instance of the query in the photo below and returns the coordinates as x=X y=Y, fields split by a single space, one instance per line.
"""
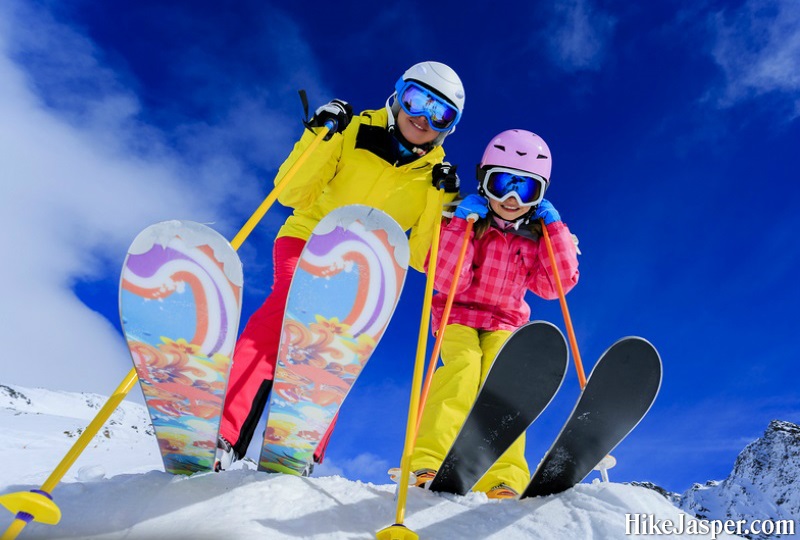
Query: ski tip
x=371 y=219
x=638 y=338
x=546 y=324
x=541 y=321
x=638 y=342
x=644 y=353
x=191 y=235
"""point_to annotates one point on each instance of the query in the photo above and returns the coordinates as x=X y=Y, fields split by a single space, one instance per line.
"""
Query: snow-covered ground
x=117 y=489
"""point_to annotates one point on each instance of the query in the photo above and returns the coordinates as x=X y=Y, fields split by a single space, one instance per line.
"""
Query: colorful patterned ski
x=180 y=301
x=343 y=294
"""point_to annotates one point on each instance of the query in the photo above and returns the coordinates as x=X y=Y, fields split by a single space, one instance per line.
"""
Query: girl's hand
x=547 y=212
x=472 y=205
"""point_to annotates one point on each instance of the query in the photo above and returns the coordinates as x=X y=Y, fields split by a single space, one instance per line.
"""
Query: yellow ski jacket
x=359 y=166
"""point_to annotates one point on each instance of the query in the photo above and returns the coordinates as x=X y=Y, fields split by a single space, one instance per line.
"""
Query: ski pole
x=437 y=346
x=258 y=215
x=38 y=505
x=398 y=531
x=608 y=461
x=564 y=310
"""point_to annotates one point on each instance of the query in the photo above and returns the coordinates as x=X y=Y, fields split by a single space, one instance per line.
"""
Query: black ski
x=523 y=379
x=619 y=392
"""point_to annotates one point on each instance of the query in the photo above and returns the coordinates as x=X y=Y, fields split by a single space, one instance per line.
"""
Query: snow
x=117 y=489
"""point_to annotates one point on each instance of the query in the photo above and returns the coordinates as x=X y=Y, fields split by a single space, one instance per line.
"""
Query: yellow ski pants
x=467 y=355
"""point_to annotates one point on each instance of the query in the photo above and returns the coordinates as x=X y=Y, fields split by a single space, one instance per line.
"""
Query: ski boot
x=502 y=491
x=225 y=455
x=424 y=476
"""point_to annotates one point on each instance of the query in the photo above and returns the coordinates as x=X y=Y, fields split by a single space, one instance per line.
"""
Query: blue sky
x=675 y=132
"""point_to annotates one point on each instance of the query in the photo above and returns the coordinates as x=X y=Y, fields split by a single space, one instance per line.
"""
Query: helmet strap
x=414 y=149
x=526 y=219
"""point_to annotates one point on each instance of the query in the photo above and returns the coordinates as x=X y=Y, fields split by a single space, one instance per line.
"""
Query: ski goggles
x=416 y=100
x=501 y=183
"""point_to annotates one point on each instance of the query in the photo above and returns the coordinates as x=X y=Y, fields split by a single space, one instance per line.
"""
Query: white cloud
x=67 y=196
x=758 y=48
x=81 y=173
x=578 y=36
x=365 y=465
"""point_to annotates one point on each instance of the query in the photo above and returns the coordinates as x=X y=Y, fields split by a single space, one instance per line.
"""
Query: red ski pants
x=256 y=354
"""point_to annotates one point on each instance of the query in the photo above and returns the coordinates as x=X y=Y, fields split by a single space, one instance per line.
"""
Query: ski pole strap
x=304 y=103
x=331 y=123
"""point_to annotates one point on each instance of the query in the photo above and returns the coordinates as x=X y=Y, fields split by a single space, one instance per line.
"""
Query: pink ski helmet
x=518 y=149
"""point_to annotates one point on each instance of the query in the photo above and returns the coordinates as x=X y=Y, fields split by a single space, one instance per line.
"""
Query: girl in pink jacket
x=505 y=258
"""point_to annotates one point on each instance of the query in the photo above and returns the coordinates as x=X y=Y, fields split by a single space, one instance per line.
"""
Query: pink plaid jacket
x=499 y=268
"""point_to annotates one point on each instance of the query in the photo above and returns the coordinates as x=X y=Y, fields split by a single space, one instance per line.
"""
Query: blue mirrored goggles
x=501 y=183
x=417 y=100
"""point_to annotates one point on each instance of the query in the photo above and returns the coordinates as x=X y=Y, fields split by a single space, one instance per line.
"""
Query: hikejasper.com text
x=648 y=524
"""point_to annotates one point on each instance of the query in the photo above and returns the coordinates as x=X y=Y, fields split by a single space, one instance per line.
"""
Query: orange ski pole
x=562 y=299
x=608 y=461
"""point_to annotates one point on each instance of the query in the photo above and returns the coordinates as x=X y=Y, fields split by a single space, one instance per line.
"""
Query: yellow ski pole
x=38 y=505
x=257 y=216
x=398 y=531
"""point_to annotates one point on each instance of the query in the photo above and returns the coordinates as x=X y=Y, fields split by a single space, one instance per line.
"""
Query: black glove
x=337 y=110
x=445 y=177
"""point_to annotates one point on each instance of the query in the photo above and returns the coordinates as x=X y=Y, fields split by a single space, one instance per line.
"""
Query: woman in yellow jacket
x=390 y=159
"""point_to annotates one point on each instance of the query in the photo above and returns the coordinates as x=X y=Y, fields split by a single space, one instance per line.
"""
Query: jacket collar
x=373 y=135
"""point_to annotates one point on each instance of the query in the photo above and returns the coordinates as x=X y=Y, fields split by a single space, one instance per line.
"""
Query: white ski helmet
x=438 y=77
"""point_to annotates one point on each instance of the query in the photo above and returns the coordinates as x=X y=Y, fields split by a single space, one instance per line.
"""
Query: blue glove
x=547 y=212
x=472 y=205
